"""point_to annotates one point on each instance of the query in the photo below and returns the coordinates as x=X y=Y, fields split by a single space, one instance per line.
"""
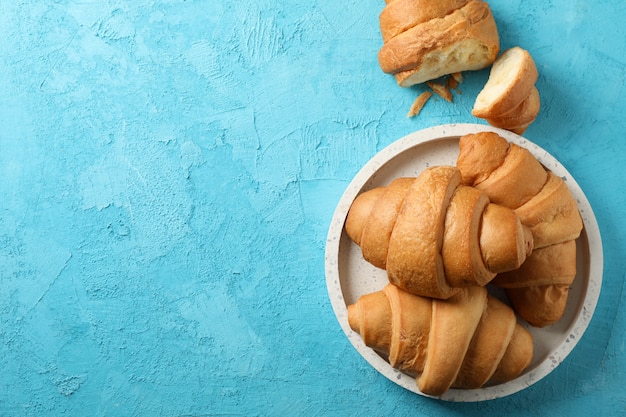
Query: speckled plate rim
x=571 y=335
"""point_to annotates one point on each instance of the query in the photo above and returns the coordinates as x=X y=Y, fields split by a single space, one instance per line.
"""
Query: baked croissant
x=434 y=236
x=511 y=176
x=463 y=342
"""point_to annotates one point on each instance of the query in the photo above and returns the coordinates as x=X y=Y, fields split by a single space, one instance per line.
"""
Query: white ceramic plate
x=348 y=276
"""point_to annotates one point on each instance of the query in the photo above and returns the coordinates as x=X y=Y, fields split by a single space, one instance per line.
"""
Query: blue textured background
x=168 y=173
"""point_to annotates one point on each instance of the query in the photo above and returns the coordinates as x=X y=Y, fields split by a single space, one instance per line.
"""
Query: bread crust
x=554 y=264
x=517 y=180
x=479 y=155
x=521 y=116
x=461 y=250
x=370 y=317
x=488 y=346
x=401 y=15
x=381 y=220
x=504 y=241
x=410 y=325
x=359 y=212
x=540 y=305
x=419 y=103
x=454 y=322
x=517 y=357
x=419 y=53
x=414 y=261
x=552 y=214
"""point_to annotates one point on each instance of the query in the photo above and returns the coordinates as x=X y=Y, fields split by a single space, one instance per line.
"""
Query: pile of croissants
x=498 y=218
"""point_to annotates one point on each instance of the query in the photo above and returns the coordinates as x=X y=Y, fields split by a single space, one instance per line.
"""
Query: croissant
x=464 y=342
x=511 y=176
x=434 y=235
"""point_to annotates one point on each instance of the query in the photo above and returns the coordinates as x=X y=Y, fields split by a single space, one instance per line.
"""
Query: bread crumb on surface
x=418 y=104
x=441 y=90
x=454 y=80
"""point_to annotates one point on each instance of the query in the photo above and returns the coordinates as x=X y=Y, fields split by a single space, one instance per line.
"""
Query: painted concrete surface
x=169 y=171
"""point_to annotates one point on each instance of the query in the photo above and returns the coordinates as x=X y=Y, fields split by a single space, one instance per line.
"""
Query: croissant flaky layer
x=511 y=176
x=465 y=342
x=434 y=235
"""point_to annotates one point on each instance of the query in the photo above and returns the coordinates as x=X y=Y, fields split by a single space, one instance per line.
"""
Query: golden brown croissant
x=434 y=235
x=463 y=342
x=511 y=176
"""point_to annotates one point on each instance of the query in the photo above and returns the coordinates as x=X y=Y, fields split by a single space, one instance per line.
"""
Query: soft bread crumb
x=458 y=77
x=418 y=104
x=441 y=90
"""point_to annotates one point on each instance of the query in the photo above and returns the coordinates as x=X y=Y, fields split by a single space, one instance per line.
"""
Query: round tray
x=348 y=276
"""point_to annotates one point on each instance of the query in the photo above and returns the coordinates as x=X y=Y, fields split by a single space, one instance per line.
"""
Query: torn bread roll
x=510 y=99
x=424 y=40
x=401 y=15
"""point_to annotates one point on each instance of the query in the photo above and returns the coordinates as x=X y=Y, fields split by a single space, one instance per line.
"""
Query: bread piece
x=466 y=39
x=419 y=103
x=511 y=80
x=442 y=90
x=452 y=83
x=401 y=15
